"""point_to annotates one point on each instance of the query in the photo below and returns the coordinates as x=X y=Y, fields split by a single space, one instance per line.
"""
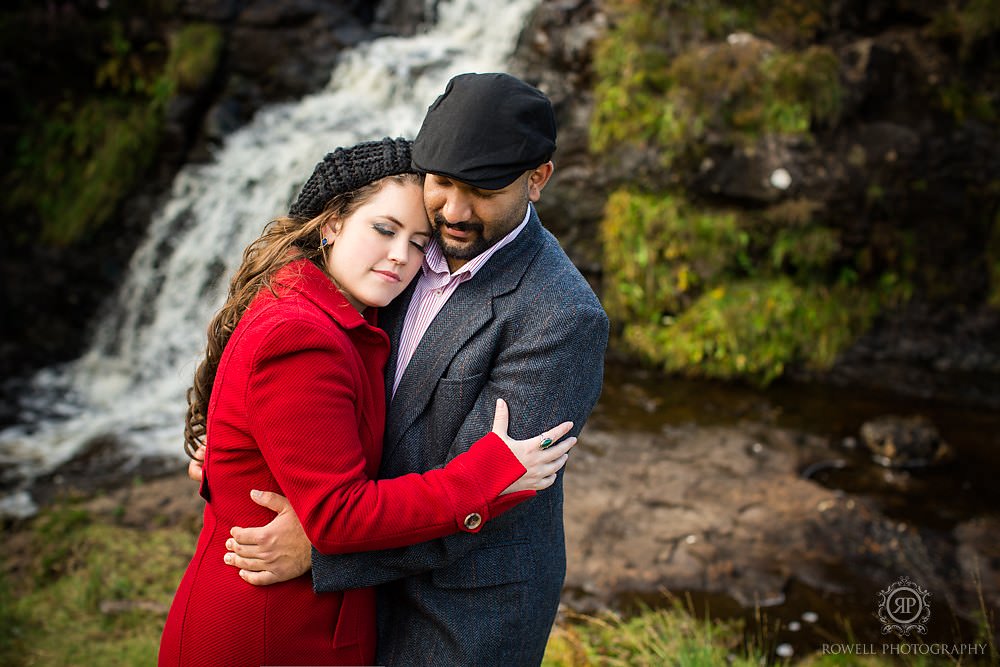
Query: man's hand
x=195 y=464
x=273 y=553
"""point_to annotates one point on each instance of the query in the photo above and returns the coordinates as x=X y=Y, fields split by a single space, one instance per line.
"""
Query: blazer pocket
x=489 y=566
x=470 y=384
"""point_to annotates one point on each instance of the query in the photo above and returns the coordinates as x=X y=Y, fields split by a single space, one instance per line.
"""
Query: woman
x=291 y=392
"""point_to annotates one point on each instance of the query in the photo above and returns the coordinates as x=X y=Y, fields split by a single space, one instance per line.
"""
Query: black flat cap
x=486 y=130
x=347 y=169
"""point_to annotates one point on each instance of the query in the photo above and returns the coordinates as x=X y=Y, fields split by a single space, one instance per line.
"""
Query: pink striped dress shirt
x=434 y=287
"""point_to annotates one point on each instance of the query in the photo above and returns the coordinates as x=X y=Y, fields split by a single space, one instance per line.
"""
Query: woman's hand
x=541 y=459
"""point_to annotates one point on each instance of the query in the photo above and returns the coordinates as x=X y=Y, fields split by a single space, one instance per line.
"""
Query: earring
x=323 y=243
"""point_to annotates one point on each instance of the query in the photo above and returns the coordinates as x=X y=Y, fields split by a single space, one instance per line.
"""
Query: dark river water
x=933 y=500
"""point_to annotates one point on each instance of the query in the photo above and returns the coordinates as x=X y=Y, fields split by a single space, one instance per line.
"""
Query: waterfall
x=130 y=384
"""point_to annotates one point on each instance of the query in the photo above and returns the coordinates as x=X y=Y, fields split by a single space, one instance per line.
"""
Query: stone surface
x=724 y=510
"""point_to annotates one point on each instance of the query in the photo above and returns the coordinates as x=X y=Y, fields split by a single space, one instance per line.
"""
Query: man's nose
x=456 y=208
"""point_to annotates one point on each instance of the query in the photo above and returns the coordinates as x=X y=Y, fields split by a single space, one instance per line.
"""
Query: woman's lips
x=389 y=275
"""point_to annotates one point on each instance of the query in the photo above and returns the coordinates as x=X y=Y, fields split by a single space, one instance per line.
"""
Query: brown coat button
x=473 y=521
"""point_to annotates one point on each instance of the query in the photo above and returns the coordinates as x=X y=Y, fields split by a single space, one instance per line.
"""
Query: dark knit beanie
x=347 y=169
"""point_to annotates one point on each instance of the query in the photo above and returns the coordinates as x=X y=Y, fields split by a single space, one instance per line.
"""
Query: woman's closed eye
x=390 y=231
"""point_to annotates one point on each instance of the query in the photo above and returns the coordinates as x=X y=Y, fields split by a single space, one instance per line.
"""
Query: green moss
x=75 y=165
x=805 y=251
x=78 y=159
x=731 y=91
x=660 y=252
x=716 y=293
x=195 y=51
x=101 y=602
x=963 y=102
x=756 y=329
x=793 y=22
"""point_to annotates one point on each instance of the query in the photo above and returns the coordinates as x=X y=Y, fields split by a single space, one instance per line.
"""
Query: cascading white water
x=131 y=382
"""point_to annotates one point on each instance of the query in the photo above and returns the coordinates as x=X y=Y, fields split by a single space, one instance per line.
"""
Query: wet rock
x=704 y=510
x=103 y=463
x=905 y=442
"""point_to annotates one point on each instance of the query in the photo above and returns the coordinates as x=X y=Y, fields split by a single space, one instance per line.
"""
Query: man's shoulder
x=552 y=276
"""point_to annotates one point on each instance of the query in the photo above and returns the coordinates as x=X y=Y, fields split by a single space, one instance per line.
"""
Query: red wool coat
x=298 y=407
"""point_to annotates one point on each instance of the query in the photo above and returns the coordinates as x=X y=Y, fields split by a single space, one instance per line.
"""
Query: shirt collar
x=435 y=262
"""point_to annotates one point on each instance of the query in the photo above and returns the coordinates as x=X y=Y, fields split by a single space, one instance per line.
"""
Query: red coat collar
x=305 y=278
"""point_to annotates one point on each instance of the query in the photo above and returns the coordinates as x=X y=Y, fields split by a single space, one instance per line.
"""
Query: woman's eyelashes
x=388 y=230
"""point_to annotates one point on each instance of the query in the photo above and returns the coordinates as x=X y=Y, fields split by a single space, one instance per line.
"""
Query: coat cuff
x=484 y=472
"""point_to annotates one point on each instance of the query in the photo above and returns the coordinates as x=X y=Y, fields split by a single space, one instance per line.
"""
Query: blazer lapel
x=465 y=313
x=390 y=319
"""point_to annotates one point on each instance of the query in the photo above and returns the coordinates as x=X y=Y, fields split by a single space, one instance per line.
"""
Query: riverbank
x=89 y=581
x=730 y=517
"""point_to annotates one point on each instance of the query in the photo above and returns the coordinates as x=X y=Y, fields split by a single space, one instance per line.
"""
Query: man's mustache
x=462 y=226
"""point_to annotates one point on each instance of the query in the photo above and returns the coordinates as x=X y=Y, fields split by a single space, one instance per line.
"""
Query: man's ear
x=537 y=179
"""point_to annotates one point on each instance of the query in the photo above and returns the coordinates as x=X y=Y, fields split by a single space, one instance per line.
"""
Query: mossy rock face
x=195 y=51
x=808 y=151
x=756 y=330
x=719 y=293
x=79 y=159
x=727 y=92
x=84 y=159
x=660 y=252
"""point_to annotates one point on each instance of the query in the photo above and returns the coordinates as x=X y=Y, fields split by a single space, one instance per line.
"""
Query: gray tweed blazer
x=527 y=328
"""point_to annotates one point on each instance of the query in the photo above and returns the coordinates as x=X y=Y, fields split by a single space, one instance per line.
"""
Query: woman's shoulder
x=287 y=313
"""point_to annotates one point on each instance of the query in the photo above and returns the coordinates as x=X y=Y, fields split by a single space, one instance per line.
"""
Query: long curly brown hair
x=283 y=241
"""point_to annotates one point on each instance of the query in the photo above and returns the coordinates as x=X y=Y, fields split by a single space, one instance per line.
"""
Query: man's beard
x=476 y=245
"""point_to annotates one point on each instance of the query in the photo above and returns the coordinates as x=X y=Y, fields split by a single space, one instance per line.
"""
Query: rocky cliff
x=896 y=181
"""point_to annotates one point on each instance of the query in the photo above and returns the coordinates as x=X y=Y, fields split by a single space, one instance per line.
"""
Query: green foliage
x=648 y=93
x=963 y=102
x=660 y=252
x=755 y=329
x=969 y=22
x=654 y=637
x=12 y=627
x=94 y=594
x=805 y=251
x=194 y=56
x=716 y=293
x=75 y=165
x=794 y=22
x=78 y=158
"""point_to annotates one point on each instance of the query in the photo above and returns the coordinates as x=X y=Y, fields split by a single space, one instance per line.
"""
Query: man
x=499 y=312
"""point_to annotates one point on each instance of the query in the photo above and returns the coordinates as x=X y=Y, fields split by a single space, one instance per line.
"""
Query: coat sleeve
x=302 y=394
x=551 y=372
